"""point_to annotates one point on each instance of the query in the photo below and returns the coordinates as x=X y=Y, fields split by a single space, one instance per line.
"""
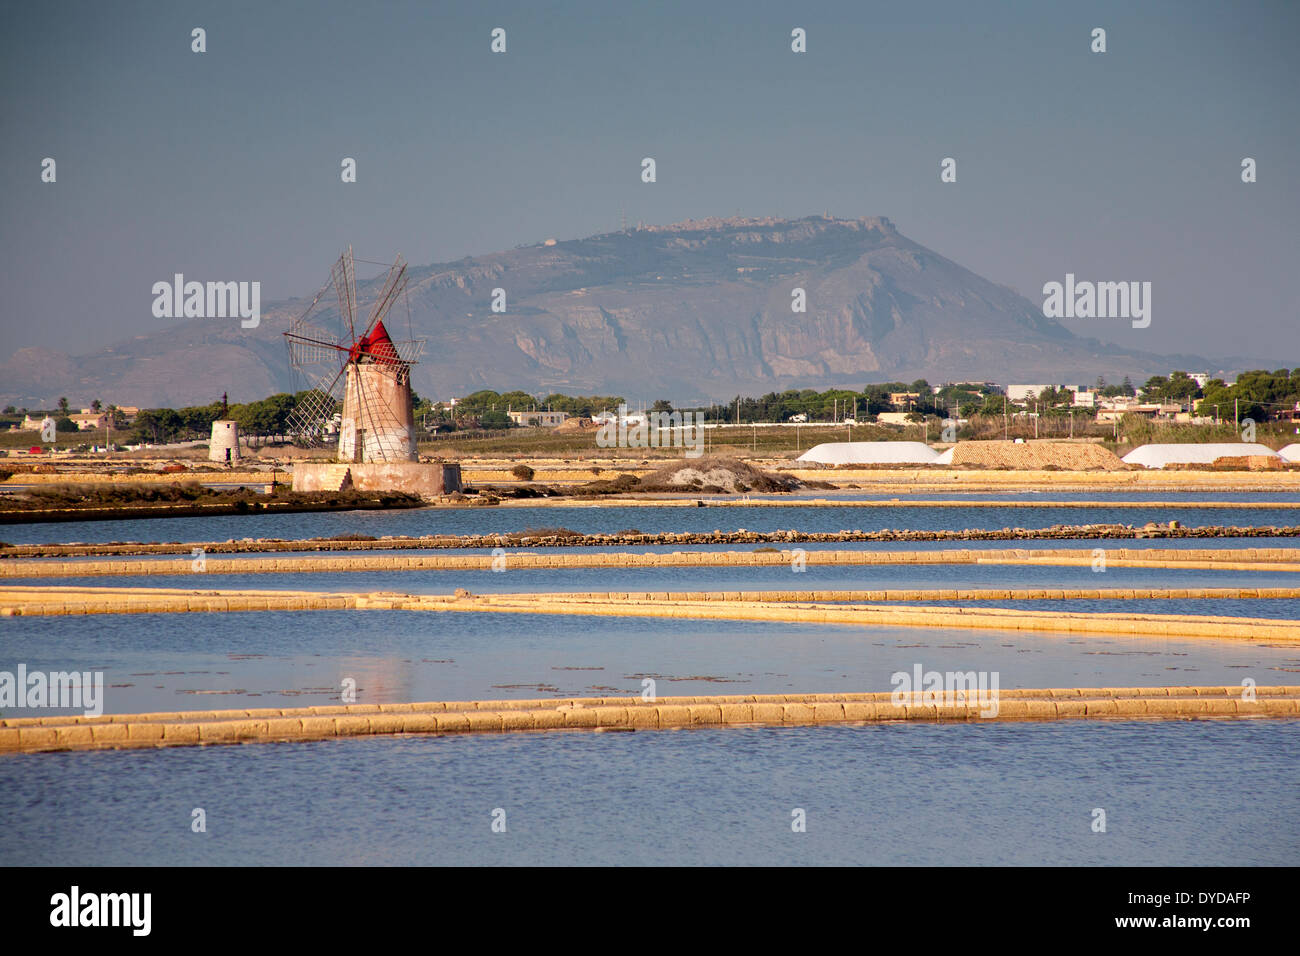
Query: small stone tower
x=224 y=446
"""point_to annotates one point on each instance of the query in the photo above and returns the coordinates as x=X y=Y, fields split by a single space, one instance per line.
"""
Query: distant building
x=1114 y=410
x=1025 y=393
x=539 y=419
x=1083 y=397
x=893 y=418
x=904 y=399
x=1288 y=414
x=622 y=417
x=88 y=421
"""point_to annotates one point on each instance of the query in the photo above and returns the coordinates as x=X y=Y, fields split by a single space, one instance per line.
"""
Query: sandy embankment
x=268 y=725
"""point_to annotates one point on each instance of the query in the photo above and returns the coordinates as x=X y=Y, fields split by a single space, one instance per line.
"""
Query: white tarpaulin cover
x=871 y=453
x=1157 y=456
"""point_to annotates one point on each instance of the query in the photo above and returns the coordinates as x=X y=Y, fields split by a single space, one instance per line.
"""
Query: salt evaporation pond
x=167 y=662
x=737 y=578
x=922 y=794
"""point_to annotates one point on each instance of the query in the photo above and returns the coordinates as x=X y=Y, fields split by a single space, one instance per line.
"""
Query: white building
x=538 y=418
x=1084 y=397
x=1025 y=393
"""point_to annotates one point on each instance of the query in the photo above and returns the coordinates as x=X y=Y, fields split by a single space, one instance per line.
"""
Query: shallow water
x=160 y=662
x=775 y=577
x=1017 y=793
x=1175 y=793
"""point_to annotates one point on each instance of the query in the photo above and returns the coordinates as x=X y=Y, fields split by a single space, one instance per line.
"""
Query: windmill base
x=413 y=477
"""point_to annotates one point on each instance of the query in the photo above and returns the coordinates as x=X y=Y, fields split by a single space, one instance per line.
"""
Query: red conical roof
x=377 y=345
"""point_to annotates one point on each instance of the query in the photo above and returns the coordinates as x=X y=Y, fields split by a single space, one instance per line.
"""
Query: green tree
x=1181 y=388
x=155 y=425
x=1154 y=389
x=584 y=405
x=266 y=417
x=1256 y=394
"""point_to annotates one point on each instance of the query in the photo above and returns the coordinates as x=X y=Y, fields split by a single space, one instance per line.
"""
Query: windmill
x=366 y=372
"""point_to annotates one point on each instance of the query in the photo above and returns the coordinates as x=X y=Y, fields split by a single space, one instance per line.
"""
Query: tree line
x=1256 y=393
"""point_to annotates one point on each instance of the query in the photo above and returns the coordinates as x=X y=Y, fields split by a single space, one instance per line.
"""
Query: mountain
x=691 y=311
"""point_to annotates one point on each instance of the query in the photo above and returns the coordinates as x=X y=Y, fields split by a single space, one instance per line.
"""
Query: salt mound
x=707 y=474
x=1291 y=452
x=871 y=453
x=945 y=457
x=1067 y=456
x=1157 y=456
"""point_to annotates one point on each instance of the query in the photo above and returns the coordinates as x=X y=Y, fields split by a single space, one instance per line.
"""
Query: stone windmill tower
x=365 y=372
x=360 y=399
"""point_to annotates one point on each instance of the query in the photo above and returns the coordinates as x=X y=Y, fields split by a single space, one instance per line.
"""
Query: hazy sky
x=225 y=165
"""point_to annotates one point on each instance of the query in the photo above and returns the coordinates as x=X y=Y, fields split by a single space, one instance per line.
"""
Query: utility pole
x=1006 y=426
x=1236 y=420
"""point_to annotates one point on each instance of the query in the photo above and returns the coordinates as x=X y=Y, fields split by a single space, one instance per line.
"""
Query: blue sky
x=225 y=165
